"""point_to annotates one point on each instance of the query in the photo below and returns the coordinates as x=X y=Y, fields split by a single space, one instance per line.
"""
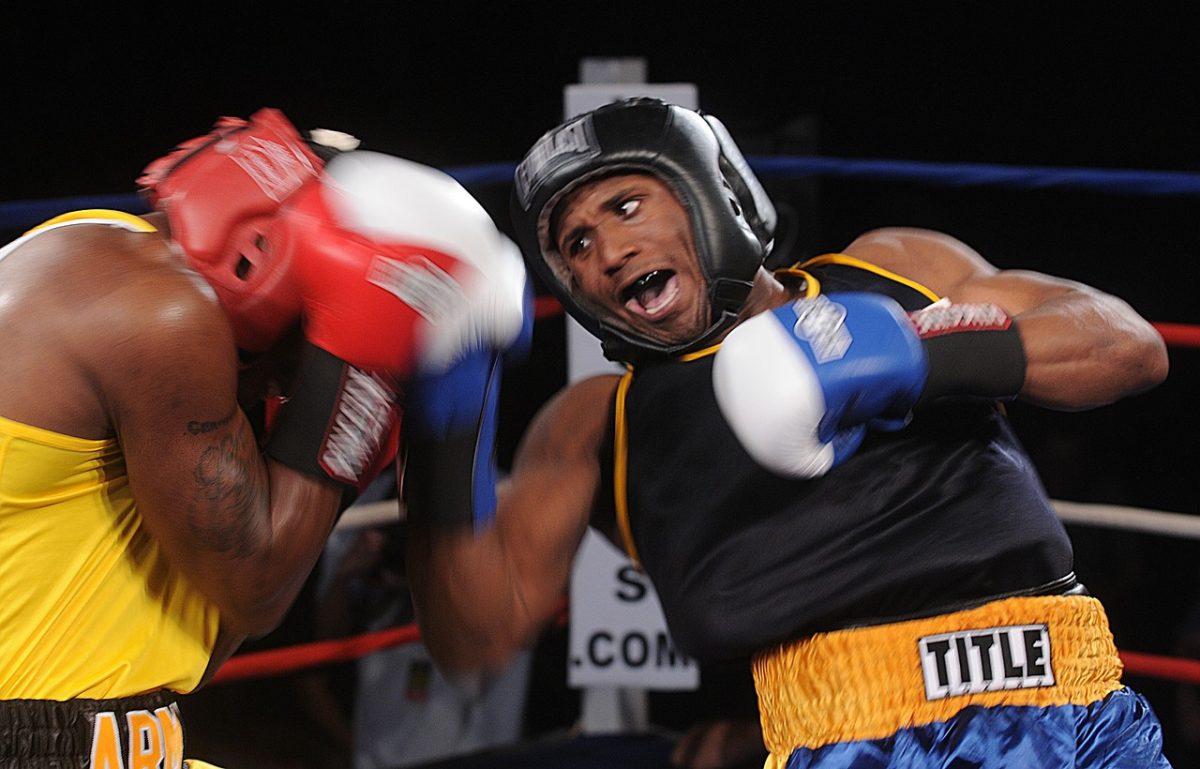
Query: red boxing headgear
x=222 y=194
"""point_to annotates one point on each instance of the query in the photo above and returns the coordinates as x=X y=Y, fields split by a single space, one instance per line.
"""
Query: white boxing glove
x=800 y=384
x=483 y=303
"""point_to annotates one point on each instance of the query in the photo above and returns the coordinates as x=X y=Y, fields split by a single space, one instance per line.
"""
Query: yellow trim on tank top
x=621 y=449
x=40 y=434
x=621 y=469
x=135 y=222
x=850 y=261
x=699 y=353
x=53 y=439
x=812 y=287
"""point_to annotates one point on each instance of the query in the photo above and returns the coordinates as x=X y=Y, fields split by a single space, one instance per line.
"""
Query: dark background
x=87 y=98
x=91 y=96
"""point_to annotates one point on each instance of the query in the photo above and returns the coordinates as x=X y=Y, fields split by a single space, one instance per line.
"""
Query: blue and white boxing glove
x=450 y=425
x=798 y=384
x=801 y=384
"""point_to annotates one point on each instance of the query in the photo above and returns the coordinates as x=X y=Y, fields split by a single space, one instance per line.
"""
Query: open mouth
x=652 y=293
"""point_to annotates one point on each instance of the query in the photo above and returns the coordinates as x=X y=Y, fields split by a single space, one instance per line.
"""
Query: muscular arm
x=482 y=596
x=1084 y=348
x=244 y=531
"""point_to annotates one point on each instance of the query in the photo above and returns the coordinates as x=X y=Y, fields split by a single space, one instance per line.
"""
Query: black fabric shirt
x=939 y=515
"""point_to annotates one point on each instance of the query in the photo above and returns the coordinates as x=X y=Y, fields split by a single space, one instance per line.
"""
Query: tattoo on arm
x=198 y=428
x=228 y=495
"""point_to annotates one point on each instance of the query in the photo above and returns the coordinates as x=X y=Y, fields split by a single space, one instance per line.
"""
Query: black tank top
x=942 y=514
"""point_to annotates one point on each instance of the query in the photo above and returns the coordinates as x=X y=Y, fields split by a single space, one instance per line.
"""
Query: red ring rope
x=1179 y=334
x=1159 y=666
x=1174 y=334
x=284 y=660
x=308 y=655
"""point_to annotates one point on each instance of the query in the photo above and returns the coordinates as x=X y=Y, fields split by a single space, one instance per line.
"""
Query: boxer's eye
x=580 y=245
x=576 y=244
x=628 y=207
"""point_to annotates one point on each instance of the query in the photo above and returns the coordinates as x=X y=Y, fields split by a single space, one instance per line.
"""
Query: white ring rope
x=371 y=514
x=1183 y=525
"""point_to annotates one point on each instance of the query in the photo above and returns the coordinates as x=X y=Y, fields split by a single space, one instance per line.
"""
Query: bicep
x=952 y=269
x=543 y=513
x=193 y=461
x=1083 y=347
x=556 y=481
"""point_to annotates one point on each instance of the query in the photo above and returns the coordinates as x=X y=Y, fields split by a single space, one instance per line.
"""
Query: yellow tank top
x=89 y=606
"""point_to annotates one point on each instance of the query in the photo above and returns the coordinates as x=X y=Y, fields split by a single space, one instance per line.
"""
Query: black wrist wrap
x=439 y=483
x=334 y=421
x=450 y=441
x=974 y=350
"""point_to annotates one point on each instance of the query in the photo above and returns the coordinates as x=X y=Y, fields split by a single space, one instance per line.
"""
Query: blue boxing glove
x=450 y=424
x=800 y=384
x=450 y=421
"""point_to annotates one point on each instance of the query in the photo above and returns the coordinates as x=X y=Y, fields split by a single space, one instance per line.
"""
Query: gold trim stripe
x=621 y=468
x=696 y=355
x=850 y=261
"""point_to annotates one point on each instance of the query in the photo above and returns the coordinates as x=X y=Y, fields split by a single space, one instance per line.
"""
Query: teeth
x=639 y=285
x=652 y=293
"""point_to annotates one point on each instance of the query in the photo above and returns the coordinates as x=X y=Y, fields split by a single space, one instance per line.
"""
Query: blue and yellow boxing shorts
x=1019 y=682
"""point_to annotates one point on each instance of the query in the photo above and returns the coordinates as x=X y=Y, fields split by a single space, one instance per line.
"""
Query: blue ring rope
x=25 y=213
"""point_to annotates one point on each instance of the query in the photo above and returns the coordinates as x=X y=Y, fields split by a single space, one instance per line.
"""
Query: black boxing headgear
x=733 y=220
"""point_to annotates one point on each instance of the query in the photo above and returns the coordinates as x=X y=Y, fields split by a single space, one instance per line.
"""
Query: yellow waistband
x=868 y=683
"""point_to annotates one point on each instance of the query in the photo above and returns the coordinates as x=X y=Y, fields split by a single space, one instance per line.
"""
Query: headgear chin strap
x=733 y=220
x=222 y=194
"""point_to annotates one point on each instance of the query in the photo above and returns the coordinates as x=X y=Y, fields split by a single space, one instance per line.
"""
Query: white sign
x=618 y=636
x=581 y=97
x=585 y=356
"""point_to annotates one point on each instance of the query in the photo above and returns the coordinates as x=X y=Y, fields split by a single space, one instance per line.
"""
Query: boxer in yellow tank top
x=145 y=528
x=97 y=621
x=79 y=566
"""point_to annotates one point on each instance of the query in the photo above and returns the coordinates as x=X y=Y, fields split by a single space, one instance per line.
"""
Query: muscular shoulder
x=934 y=259
x=140 y=289
x=95 y=309
x=94 y=266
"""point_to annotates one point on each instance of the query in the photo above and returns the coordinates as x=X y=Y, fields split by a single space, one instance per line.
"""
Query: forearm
x=1082 y=348
x=1087 y=349
x=265 y=567
x=334 y=434
x=484 y=594
x=484 y=591
x=474 y=609
x=304 y=509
